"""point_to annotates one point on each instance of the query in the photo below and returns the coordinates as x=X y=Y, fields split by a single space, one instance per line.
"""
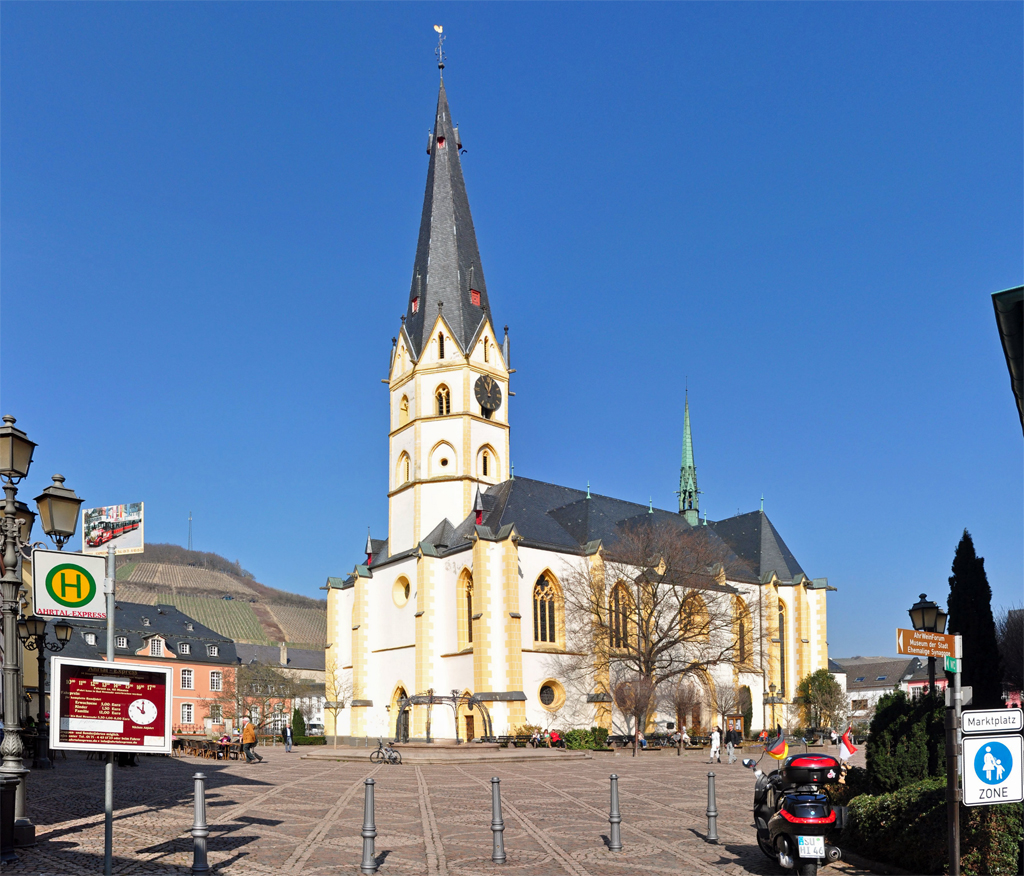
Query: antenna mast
x=190 y=532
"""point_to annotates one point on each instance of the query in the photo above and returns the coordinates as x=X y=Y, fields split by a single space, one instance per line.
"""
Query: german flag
x=777 y=748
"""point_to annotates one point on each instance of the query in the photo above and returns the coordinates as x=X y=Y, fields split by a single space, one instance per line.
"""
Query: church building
x=465 y=597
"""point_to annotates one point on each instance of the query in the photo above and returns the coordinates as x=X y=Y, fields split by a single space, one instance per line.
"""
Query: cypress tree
x=970 y=615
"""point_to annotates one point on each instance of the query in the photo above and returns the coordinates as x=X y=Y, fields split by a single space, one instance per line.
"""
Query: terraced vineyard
x=302 y=626
x=252 y=612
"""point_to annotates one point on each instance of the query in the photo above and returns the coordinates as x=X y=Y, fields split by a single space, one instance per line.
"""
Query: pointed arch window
x=440 y=345
x=464 y=609
x=403 y=411
x=744 y=631
x=694 y=620
x=444 y=400
x=545 y=611
x=404 y=469
x=782 y=649
x=620 y=615
x=487 y=356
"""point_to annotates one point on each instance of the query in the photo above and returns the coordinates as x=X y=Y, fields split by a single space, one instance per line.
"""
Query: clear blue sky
x=209 y=216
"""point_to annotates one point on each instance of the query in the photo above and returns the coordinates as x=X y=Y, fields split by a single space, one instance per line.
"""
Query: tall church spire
x=689 y=501
x=447 y=276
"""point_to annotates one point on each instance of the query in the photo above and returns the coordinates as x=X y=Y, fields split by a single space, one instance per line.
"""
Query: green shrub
x=907 y=828
x=906 y=743
x=310 y=740
x=298 y=723
x=578 y=739
x=600 y=736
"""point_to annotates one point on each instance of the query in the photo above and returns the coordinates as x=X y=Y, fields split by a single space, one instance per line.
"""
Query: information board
x=117 y=525
x=102 y=706
x=925 y=644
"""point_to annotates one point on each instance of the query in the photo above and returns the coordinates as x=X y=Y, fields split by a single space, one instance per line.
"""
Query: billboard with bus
x=119 y=525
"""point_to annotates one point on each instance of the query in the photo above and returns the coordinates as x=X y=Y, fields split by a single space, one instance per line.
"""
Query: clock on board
x=142 y=711
x=488 y=393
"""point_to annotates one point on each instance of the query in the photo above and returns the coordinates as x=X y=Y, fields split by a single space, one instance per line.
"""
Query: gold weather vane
x=439 y=51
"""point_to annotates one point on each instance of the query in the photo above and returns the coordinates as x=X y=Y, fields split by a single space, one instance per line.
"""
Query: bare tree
x=635 y=698
x=681 y=698
x=726 y=701
x=655 y=608
x=1010 y=633
x=337 y=690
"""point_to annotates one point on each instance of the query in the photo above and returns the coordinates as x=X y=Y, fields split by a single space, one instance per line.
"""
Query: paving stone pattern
x=294 y=816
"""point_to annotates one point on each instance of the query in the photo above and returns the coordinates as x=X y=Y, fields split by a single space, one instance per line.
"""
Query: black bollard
x=712 y=836
x=369 y=832
x=200 y=829
x=614 y=818
x=497 y=823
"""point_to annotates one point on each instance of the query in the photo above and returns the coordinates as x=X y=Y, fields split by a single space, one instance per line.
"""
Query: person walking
x=716 y=745
x=249 y=742
x=732 y=739
x=286 y=735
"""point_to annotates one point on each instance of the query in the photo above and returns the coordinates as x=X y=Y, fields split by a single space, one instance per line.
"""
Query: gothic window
x=486 y=351
x=484 y=462
x=403 y=411
x=440 y=345
x=694 y=620
x=464 y=608
x=545 y=598
x=619 y=616
x=744 y=631
x=782 y=649
x=404 y=469
x=444 y=400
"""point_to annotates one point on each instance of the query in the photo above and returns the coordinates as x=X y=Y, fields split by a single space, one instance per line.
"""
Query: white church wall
x=392 y=626
x=402 y=521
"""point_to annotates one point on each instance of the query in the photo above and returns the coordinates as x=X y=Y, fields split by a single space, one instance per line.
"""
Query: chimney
x=284 y=654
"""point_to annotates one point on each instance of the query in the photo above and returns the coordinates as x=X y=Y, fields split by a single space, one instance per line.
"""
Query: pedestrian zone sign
x=992 y=770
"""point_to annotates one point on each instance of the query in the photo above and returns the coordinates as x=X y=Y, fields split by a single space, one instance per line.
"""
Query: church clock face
x=488 y=393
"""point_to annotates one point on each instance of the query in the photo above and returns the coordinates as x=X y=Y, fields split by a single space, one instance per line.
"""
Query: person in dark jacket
x=733 y=740
x=286 y=735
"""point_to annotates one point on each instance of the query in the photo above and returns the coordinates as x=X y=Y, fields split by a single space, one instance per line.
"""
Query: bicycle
x=385 y=754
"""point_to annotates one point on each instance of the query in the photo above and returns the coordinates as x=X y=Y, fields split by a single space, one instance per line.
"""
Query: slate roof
x=836 y=668
x=447 y=265
x=164 y=620
x=756 y=541
x=561 y=518
x=270 y=655
x=867 y=674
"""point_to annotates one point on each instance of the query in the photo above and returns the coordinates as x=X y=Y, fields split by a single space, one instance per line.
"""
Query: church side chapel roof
x=756 y=541
x=447 y=267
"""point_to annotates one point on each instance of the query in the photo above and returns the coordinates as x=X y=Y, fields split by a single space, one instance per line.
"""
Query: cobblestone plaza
x=291 y=815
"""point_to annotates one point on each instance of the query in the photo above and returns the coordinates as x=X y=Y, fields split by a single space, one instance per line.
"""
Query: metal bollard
x=614 y=818
x=497 y=823
x=369 y=832
x=200 y=829
x=712 y=836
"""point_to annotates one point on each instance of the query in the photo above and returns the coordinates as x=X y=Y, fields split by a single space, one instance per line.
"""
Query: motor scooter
x=796 y=823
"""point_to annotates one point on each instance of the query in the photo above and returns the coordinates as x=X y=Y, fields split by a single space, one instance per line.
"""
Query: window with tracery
x=782 y=650
x=444 y=400
x=744 y=631
x=694 y=618
x=620 y=612
x=464 y=607
x=485 y=462
x=544 y=611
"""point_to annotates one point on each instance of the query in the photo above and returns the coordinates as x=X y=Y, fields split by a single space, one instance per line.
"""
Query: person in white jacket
x=716 y=745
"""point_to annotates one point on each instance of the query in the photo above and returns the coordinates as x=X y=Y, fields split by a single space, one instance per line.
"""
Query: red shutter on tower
x=474 y=297
x=415 y=304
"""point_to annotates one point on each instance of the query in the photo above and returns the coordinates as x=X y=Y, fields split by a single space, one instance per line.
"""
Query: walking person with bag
x=249 y=742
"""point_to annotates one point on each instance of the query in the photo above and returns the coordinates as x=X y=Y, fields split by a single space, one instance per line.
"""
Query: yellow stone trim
x=513 y=633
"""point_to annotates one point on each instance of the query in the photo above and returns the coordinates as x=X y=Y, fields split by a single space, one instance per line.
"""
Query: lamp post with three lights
x=32 y=632
x=58 y=507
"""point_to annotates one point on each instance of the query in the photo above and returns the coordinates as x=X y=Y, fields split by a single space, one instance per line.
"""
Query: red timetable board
x=110 y=706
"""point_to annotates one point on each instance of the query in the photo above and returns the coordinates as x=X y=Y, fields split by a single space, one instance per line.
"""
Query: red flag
x=846 y=748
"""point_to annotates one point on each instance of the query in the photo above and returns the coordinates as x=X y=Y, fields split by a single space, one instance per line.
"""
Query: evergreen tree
x=298 y=723
x=970 y=615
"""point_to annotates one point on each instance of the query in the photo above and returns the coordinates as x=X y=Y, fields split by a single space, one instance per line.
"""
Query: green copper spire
x=689 y=503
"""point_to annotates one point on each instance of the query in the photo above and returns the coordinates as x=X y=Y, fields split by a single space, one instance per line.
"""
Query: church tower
x=448 y=381
x=689 y=501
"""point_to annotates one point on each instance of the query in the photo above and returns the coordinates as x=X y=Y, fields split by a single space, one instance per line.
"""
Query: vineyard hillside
x=222 y=595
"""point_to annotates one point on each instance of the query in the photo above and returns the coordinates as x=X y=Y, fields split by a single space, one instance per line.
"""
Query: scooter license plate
x=811 y=846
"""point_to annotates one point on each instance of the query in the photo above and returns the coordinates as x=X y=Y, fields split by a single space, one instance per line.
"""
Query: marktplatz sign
x=992 y=770
x=992 y=721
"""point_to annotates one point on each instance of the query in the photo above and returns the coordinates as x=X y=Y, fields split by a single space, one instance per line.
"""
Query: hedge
x=310 y=740
x=907 y=828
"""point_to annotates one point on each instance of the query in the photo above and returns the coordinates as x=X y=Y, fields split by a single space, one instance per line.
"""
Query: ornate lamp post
x=16 y=452
x=771 y=699
x=926 y=615
x=32 y=632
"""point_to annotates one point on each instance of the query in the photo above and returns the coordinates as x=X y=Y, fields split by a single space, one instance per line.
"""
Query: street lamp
x=16 y=452
x=926 y=615
x=32 y=632
x=58 y=511
x=771 y=699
